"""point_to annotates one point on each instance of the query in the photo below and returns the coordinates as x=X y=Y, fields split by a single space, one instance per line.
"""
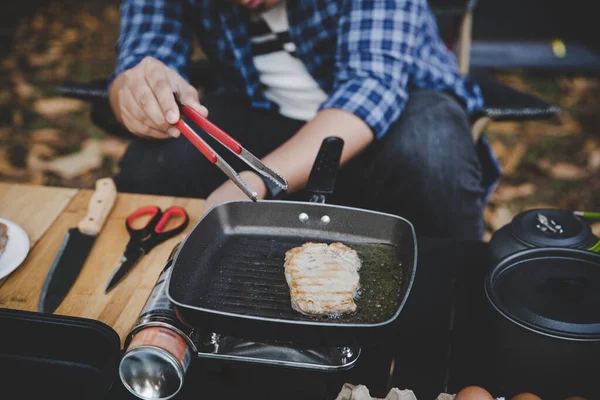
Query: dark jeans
x=425 y=169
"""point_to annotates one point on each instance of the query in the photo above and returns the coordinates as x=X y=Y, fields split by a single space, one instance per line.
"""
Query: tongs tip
x=232 y=145
x=280 y=181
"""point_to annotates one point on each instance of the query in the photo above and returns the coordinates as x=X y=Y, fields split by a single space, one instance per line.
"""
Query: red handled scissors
x=144 y=239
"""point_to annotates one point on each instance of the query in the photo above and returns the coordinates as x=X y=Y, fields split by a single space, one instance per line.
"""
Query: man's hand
x=142 y=99
x=230 y=192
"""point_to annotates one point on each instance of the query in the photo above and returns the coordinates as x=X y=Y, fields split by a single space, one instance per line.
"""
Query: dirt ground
x=47 y=139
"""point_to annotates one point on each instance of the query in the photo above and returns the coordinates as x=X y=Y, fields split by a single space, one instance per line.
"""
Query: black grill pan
x=228 y=275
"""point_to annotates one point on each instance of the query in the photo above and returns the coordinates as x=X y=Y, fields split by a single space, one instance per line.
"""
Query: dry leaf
x=513 y=158
x=578 y=84
x=50 y=56
x=36 y=178
x=593 y=162
x=38 y=22
x=5 y=97
x=505 y=127
x=17 y=119
x=515 y=81
x=590 y=145
x=567 y=125
x=544 y=165
x=538 y=206
x=23 y=89
x=62 y=71
x=73 y=165
x=54 y=107
x=111 y=14
x=575 y=89
x=562 y=170
x=5 y=132
x=7 y=170
x=498 y=217
x=499 y=148
x=35 y=164
x=545 y=129
x=56 y=27
x=506 y=193
x=90 y=22
x=49 y=136
x=9 y=63
x=596 y=229
x=487 y=236
x=567 y=171
x=42 y=151
x=113 y=147
x=70 y=35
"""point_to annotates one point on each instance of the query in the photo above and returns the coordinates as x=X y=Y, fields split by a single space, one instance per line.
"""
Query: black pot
x=542 y=228
x=544 y=320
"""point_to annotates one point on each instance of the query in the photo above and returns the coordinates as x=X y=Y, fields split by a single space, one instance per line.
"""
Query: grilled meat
x=323 y=279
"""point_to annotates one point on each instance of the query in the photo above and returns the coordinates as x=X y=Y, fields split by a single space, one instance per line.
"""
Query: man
x=292 y=73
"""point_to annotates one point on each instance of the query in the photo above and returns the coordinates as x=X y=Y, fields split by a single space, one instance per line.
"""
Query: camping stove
x=224 y=347
x=160 y=349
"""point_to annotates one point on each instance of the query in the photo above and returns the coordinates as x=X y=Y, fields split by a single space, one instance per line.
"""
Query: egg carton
x=361 y=392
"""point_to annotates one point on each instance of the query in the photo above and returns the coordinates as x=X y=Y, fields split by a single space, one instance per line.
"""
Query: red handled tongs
x=228 y=142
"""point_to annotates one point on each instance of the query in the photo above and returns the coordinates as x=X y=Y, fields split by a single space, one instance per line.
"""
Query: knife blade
x=76 y=246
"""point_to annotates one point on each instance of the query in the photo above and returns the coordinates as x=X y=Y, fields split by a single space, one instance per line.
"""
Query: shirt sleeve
x=154 y=28
x=377 y=41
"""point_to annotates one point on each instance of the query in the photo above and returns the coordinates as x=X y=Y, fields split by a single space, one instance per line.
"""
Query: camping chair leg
x=464 y=43
x=479 y=127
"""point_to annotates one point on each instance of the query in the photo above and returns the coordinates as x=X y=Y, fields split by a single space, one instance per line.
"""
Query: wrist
x=113 y=97
x=256 y=182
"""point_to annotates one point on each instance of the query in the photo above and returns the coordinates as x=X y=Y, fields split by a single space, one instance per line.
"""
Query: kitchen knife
x=76 y=246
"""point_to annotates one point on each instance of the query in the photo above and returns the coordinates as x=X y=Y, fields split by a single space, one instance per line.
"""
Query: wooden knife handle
x=101 y=203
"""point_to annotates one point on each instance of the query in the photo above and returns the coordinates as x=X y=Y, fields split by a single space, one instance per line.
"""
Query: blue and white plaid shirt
x=367 y=55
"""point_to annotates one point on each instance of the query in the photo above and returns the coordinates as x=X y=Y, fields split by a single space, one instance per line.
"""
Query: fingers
x=145 y=97
x=188 y=95
x=155 y=74
x=191 y=100
x=146 y=103
x=135 y=119
x=140 y=129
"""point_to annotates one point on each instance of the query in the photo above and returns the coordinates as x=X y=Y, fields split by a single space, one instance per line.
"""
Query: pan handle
x=321 y=180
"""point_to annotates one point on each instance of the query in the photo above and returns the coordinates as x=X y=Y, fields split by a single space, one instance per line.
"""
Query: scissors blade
x=128 y=261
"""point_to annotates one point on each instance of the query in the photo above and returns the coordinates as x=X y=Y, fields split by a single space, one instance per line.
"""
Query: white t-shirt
x=288 y=83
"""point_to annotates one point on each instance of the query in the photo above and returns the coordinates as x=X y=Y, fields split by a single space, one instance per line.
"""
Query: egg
x=526 y=396
x=473 y=393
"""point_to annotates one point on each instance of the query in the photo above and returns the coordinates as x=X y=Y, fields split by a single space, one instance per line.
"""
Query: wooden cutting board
x=34 y=208
x=119 y=308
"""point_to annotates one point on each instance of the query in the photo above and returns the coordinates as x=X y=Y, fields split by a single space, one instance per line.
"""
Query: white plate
x=16 y=249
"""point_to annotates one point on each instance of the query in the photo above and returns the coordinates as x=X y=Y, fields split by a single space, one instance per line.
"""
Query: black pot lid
x=551 y=290
x=551 y=228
